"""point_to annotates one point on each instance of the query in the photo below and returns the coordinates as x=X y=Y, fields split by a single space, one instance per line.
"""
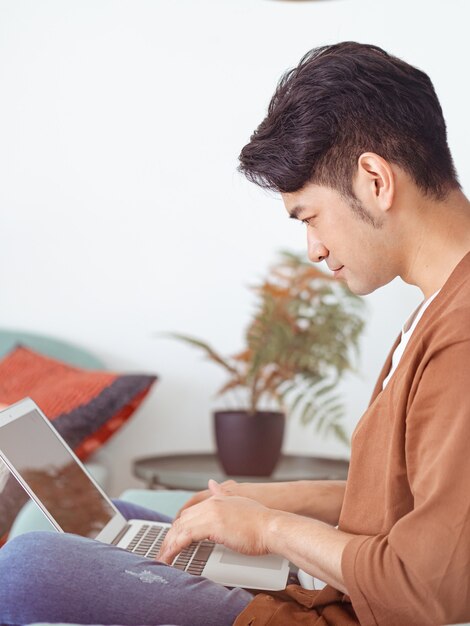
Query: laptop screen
x=52 y=473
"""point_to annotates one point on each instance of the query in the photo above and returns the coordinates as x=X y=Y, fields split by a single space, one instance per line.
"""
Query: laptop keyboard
x=148 y=540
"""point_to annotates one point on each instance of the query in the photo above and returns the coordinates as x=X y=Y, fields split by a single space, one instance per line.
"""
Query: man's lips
x=337 y=270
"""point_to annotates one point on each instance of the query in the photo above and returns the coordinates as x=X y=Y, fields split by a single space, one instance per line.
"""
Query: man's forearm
x=320 y=499
x=255 y=527
x=314 y=546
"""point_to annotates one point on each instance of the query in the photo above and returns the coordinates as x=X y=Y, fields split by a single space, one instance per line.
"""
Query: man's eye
x=308 y=221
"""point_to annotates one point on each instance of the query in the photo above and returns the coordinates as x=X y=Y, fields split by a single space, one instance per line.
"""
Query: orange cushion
x=86 y=407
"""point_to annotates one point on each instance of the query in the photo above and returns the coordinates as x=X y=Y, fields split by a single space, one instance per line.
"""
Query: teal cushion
x=166 y=502
x=54 y=348
x=28 y=519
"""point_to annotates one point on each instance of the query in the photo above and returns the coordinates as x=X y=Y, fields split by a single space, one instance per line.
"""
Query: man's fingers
x=178 y=538
x=173 y=544
x=215 y=488
x=168 y=553
x=227 y=488
x=198 y=497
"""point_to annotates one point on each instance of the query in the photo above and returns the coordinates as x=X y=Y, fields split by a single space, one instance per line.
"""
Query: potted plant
x=302 y=338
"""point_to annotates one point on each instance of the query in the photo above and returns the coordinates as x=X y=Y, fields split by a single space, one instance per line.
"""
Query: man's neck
x=438 y=239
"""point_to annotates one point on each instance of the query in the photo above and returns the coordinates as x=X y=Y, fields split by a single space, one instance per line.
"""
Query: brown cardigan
x=407 y=497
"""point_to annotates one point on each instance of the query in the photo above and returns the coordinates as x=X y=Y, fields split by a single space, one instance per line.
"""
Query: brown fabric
x=407 y=497
x=298 y=606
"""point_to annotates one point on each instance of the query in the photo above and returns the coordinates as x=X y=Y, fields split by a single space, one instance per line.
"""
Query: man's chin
x=364 y=289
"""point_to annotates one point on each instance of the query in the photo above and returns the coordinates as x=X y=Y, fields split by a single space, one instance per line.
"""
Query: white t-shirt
x=306 y=580
x=406 y=332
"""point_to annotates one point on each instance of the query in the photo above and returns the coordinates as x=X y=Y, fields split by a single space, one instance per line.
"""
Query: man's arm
x=418 y=572
x=315 y=547
x=320 y=499
x=249 y=527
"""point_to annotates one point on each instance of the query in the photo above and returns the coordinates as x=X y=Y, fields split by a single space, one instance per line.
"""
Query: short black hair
x=343 y=100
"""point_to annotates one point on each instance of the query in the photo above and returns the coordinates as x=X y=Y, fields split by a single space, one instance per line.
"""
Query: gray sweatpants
x=57 y=577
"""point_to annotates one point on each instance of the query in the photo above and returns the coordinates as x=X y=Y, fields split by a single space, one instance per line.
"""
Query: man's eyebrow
x=294 y=214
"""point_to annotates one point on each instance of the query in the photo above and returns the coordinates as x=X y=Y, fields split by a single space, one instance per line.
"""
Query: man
x=355 y=142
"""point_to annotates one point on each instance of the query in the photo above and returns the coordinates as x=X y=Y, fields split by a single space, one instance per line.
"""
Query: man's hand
x=249 y=527
x=227 y=488
x=236 y=522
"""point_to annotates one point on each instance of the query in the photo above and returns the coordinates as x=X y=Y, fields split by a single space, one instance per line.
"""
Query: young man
x=355 y=142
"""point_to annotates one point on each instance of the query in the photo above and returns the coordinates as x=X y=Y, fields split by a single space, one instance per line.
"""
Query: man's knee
x=23 y=544
x=33 y=552
x=19 y=558
x=18 y=554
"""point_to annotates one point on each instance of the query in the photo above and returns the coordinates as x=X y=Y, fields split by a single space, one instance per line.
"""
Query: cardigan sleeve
x=419 y=571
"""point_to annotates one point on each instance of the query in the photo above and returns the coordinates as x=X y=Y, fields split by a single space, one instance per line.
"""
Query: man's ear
x=375 y=181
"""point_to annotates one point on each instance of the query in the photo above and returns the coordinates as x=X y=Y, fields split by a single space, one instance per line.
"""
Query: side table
x=192 y=470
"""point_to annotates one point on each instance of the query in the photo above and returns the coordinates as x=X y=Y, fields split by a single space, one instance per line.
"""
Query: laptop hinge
x=117 y=539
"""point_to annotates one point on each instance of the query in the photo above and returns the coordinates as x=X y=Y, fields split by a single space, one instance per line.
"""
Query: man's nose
x=316 y=250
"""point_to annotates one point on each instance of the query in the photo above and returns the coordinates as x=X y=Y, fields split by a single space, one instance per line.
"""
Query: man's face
x=354 y=246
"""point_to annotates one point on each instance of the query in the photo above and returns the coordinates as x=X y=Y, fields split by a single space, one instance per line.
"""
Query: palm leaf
x=210 y=352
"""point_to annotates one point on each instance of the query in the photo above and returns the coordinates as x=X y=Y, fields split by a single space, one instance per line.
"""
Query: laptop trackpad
x=267 y=572
x=267 y=561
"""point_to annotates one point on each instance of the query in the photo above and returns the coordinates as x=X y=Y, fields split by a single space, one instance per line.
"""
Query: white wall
x=121 y=213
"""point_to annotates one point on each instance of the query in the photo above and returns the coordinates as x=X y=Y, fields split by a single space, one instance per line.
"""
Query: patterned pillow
x=86 y=407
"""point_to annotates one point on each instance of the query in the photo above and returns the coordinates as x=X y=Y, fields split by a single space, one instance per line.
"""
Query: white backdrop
x=121 y=212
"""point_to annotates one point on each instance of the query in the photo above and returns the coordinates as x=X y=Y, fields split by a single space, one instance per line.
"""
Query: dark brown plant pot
x=248 y=445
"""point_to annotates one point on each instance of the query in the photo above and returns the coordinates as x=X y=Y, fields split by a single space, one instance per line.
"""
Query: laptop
x=58 y=482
